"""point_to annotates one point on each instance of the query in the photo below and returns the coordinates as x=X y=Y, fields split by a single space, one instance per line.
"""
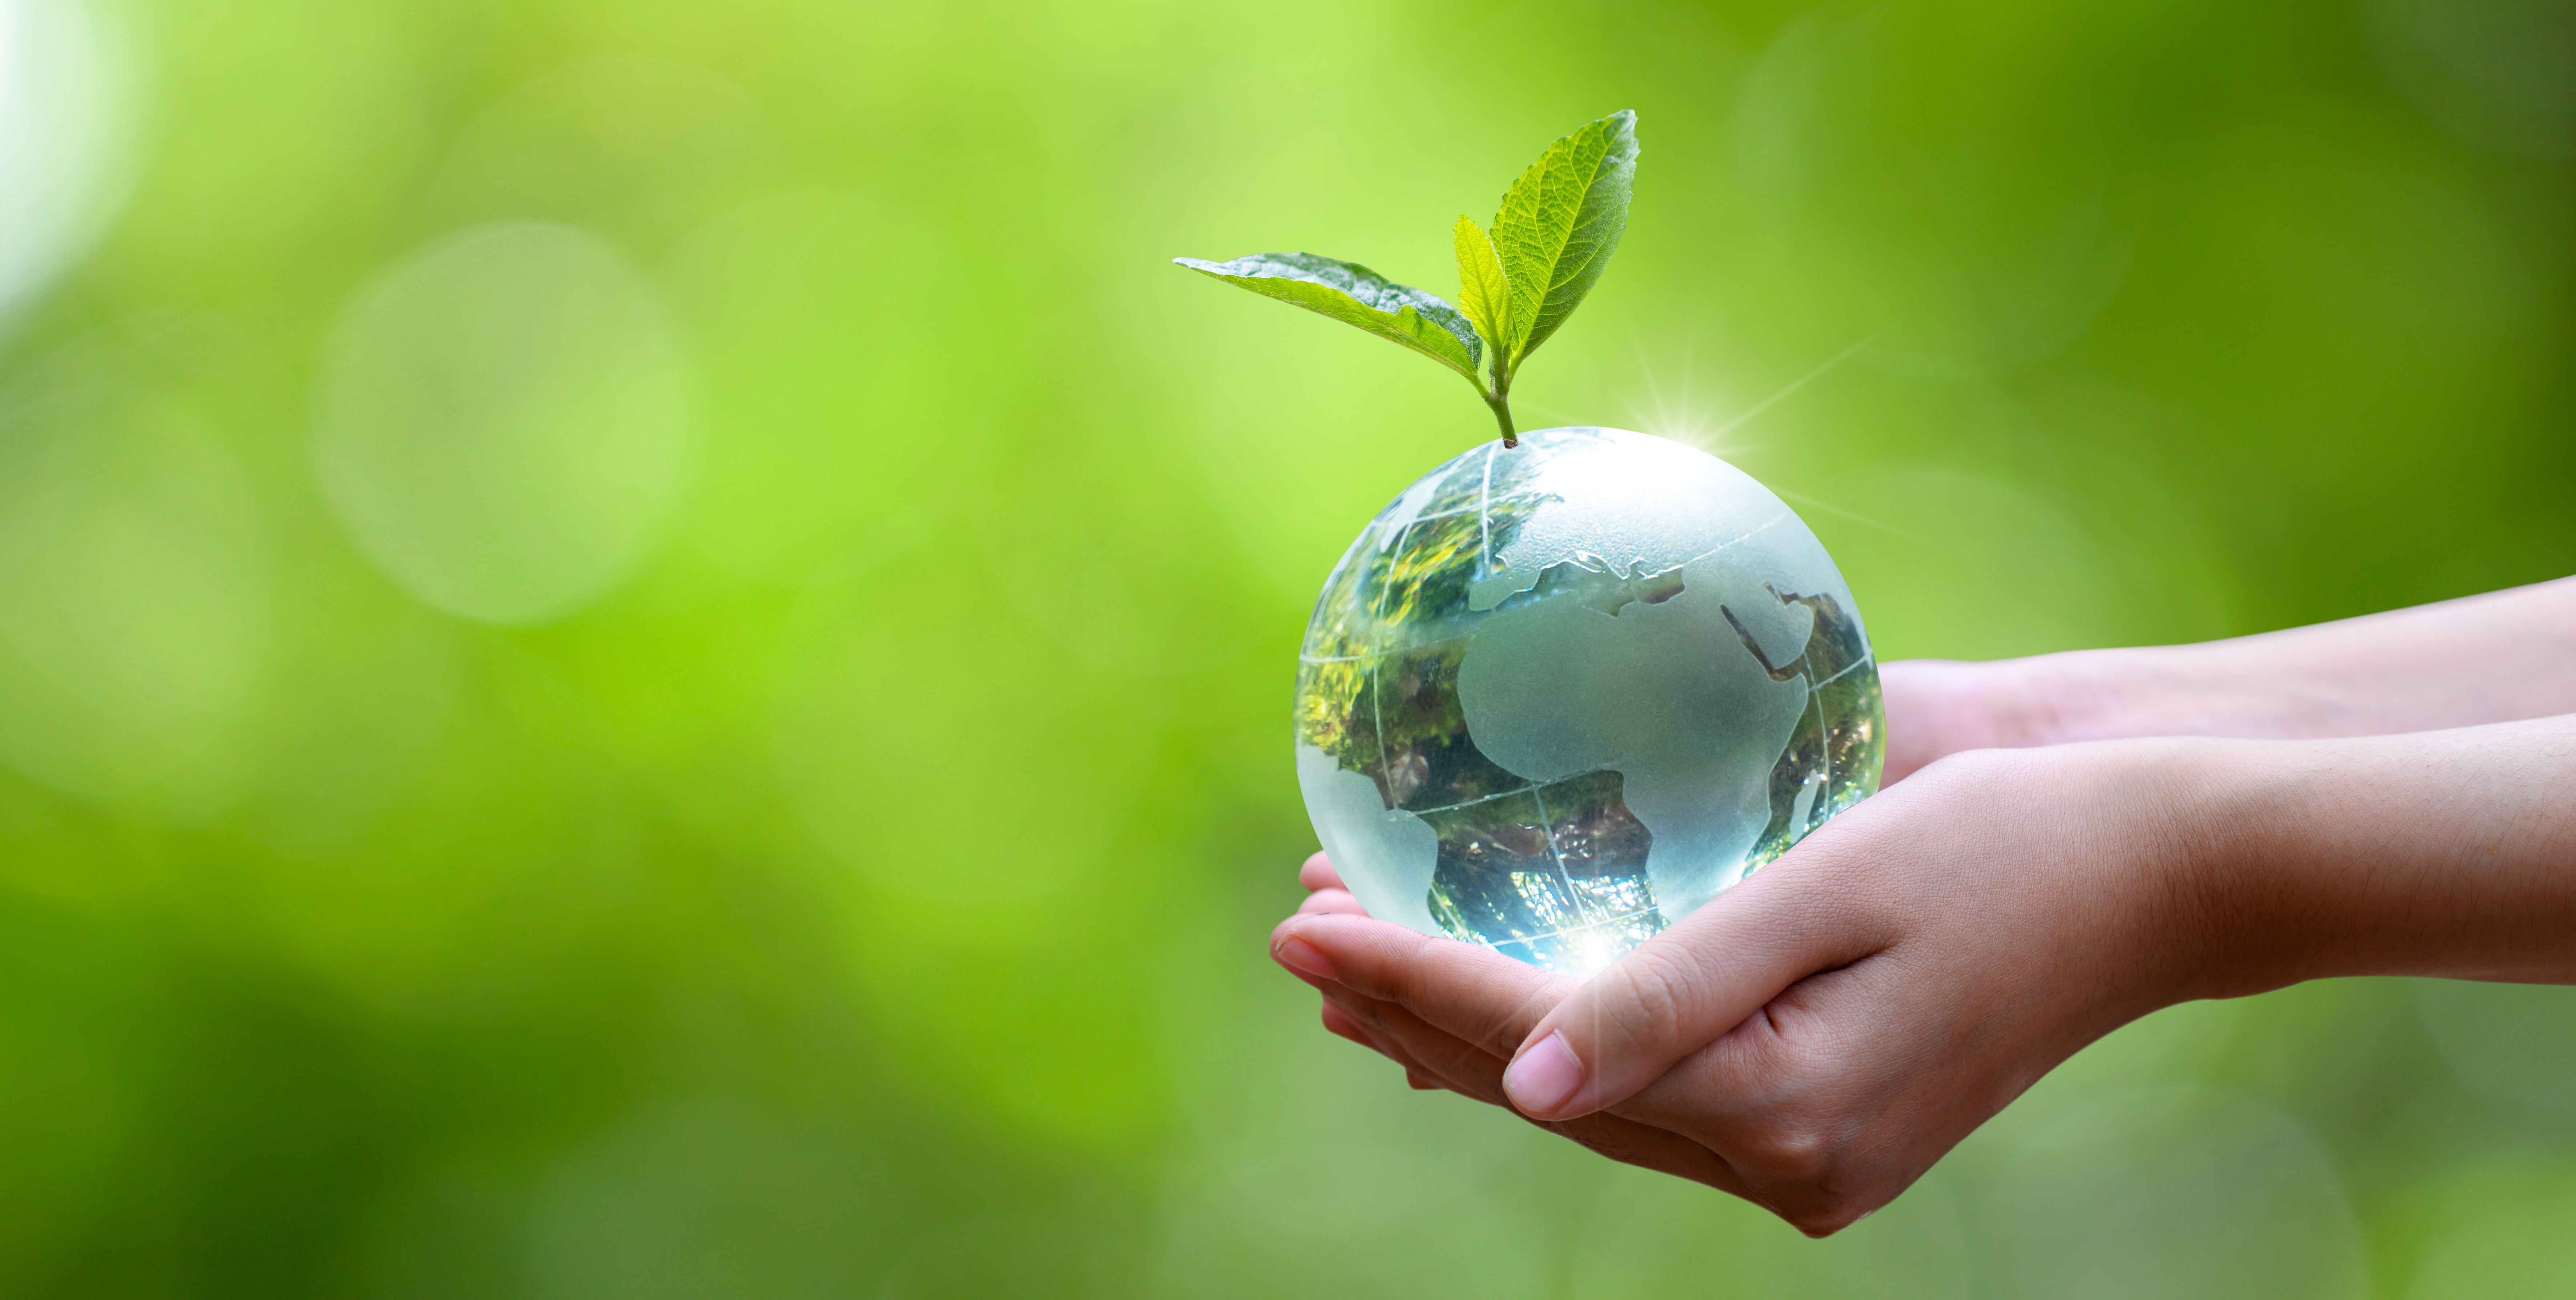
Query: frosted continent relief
x=1557 y=696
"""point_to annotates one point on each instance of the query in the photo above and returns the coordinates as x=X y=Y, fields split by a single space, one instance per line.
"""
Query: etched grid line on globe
x=1544 y=574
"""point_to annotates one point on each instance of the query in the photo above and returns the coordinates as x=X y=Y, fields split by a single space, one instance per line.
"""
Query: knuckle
x=1824 y=1211
x=1417 y=972
x=1653 y=993
x=1793 y=1046
x=1505 y=1026
x=1498 y=1032
x=1363 y=959
x=1817 y=1205
x=1798 y=1152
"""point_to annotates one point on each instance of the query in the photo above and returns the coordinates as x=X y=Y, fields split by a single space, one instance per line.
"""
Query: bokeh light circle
x=502 y=422
x=66 y=108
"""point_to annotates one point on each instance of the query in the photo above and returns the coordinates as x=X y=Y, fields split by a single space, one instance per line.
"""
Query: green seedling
x=1517 y=282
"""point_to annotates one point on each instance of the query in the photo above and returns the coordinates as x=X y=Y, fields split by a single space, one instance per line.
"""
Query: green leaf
x=1559 y=224
x=1356 y=295
x=1484 y=292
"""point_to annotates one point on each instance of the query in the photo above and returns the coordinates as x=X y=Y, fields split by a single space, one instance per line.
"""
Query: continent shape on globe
x=1555 y=697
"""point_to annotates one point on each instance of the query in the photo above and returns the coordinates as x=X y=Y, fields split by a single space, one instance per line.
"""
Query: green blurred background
x=644 y=647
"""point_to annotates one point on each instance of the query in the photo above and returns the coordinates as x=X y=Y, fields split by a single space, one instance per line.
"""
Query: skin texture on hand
x=2498 y=657
x=1849 y=1014
x=1817 y=1037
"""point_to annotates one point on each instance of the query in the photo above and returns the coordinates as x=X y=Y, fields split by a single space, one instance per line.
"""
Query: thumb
x=1682 y=989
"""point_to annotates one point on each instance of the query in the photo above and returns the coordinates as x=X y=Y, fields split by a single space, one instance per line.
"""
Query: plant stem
x=1500 y=399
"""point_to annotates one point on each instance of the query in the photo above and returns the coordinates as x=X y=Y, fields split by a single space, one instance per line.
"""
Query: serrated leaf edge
x=1611 y=143
x=1484 y=288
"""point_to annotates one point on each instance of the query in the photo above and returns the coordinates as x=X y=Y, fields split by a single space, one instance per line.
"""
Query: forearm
x=1827 y=1029
x=2498 y=657
x=2449 y=853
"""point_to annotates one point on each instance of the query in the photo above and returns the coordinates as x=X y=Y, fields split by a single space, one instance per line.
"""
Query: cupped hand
x=1407 y=969
x=1816 y=1037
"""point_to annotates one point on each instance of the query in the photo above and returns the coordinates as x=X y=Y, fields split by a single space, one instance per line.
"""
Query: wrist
x=2258 y=845
x=2212 y=901
x=2432 y=853
x=2159 y=827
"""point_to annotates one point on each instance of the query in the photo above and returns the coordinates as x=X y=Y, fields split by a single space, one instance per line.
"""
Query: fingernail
x=1544 y=1078
x=1305 y=957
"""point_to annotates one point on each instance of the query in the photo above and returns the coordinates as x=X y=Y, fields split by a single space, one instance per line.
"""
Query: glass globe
x=1558 y=696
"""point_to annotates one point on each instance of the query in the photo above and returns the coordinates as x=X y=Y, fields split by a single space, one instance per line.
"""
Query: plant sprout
x=1517 y=282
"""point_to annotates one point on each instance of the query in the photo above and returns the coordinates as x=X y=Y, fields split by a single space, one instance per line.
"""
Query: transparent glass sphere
x=1557 y=696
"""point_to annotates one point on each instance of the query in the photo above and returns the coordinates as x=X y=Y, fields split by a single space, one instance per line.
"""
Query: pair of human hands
x=1816 y=1037
x=2065 y=844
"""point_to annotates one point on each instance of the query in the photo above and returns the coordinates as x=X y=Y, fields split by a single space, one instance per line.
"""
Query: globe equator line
x=1484 y=519
x=1735 y=541
x=1480 y=799
x=1732 y=542
x=1531 y=788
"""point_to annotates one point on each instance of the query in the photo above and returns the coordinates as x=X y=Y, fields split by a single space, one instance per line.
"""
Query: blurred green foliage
x=644 y=647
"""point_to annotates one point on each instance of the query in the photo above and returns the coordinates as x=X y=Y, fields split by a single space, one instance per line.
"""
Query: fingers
x=1454 y=1013
x=1329 y=894
x=1827 y=1102
x=1447 y=1010
x=1923 y=699
x=1938 y=707
x=1459 y=1065
x=1362 y=1020
x=1449 y=1013
x=1672 y=1127
x=1648 y=1147
x=1677 y=992
x=1473 y=993
x=1318 y=873
x=1335 y=901
x=1339 y=1023
x=1342 y=1024
x=1437 y=1059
